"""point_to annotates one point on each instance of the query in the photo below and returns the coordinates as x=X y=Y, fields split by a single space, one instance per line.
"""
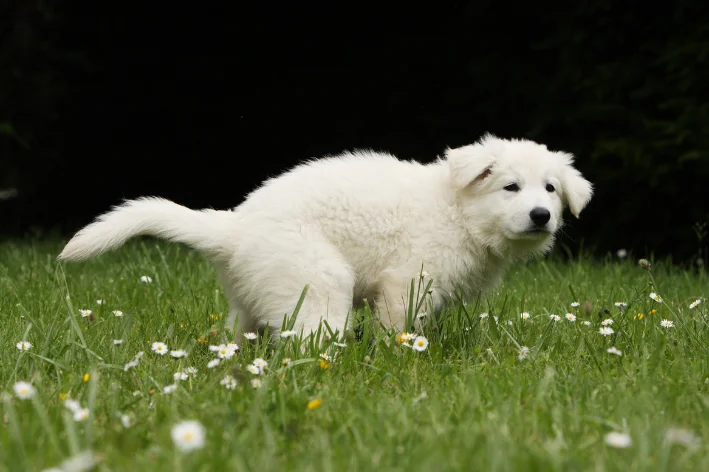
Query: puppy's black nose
x=540 y=216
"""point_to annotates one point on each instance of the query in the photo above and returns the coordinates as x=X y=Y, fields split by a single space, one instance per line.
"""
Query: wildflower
x=587 y=323
x=607 y=322
x=86 y=377
x=324 y=365
x=420 y=343
x=159 y=348
x=575 y=304
x=117 y=313
x=614 y=350
x=85 y=313
x=483 y=316
x=285 y=362
x=256 y=383
x=682 y=436
x=652 y=312
x=325 y=356
x=100 y=302
x=621 y=304
x=253 y=369
x=656 y=297
x=130 y=365
x=169 y=388
x=523 y=353
x=606 y=330
x=667 y=324
x=340 y=344
x=694 y=304
x=82 y=414
x=125 y=420
x=229 y=382
x=571 y=317
x=639 y=316
x=250 y=336
x=621 y=253
x=117 y=341
x=524 y=316
x=24 y=346
x=313 y=404
x=24 y=390
x=496 y=319
x=72 y=405
x=178 y=353
x=555 y=318
x=146 y=279
x=423 y=274
x=619 y=440
x=62 y=396
x=645 y=264
x=261 y=364
x=288 y=334
x=81 y=462
x=509 y=322
x=136 y=393
x=188 y=435
x=404 y=337
x=190 y=371
x=180 y=376
x=213 y=363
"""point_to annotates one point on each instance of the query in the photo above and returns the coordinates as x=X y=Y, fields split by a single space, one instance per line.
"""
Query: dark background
x=199 y=102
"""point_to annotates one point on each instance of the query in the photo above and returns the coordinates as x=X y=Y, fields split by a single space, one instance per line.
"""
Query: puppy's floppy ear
x=577 y=191
x=470 y=163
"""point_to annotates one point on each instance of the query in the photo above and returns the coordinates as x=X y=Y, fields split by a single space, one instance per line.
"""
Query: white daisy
x=178 y=353
x=656 y=297
x=24 y=345
x=694 y=304
x=285 y=362
x=423 y=274
x=190 y=371
x=188 y=435
x=622 y=253
x=523 y=353
x=117 y=341
x=256 y=383
x=614 y=350
x=146 y=279
x=24 y=390
x=125 y=420
x=213 y=363
x=525 y=315
x=509 y=322
x=180 y=376
x=229 y=382
x=587 y=323
x=117 y=313
x=621 y=304
x=100 y=302
x=288 y=334
x=72 y=405
x=169 y=388
x=250 y=336
x=82 y=414
x=253 y=369
x=619 y=440
x=667 y=324
x=159 y=348
x=575 y=304
x=406 y=337
x=496 y=319
x=606 y=330
x=420 y=343
x=555 y=318
x=340 y=344
x=136 y=393
x=225 y=353
x=85 y=313
x=571 y=317
x=483 y=315
x=232 y=346
x=130 y=365
x=261 y=364
x=607 y=322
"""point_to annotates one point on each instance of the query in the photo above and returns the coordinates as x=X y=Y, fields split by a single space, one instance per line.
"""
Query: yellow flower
x=202 y=339
x=211 y=315
x=182 y=325
x=324 y=365
x=62 y=396
x=639 y=316
x=86 y=377
x=313 y=404
x=652 y=312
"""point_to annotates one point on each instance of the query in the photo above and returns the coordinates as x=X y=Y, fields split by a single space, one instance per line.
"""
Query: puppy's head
x=512 y=193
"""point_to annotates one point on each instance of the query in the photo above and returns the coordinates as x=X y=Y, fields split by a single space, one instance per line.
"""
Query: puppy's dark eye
x=512 y=188
x=550 y=188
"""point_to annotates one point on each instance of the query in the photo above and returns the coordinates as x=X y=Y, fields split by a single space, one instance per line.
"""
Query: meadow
x=569 y=365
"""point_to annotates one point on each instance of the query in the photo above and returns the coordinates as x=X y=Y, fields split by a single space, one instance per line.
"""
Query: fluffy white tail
x=208 y=231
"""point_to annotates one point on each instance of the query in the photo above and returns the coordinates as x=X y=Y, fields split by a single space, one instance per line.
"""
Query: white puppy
x=361 y=225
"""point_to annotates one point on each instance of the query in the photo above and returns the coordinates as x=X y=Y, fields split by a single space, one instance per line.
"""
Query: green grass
x=465 y=403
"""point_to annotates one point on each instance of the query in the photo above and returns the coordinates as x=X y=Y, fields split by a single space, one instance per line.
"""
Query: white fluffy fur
x=361 y=225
